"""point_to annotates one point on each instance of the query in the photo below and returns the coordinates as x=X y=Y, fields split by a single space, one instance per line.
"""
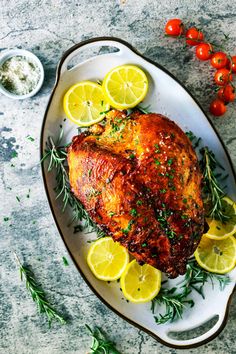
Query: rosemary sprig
x=100 y=345
x=38 y=294
x=213 y=193
x=212 y=190
x=175 y=303
x=56 y=155
x=177 y=299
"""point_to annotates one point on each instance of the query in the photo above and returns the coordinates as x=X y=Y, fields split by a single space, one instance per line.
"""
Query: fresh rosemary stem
x=100 y=345
x=57 y=156
x=213 y=193
x=177 y=299
x=38 y=294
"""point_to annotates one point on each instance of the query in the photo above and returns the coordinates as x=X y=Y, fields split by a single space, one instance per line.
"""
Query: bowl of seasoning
x=21 y=74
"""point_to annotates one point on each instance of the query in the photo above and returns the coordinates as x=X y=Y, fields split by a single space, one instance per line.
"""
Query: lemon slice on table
x=125 y=86
x=84 y=103
x=218 y=230
x=107 y=259
x=140 y=283
x=216 y=256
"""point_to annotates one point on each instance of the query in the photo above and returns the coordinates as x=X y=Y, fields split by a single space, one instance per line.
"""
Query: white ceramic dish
x=7 y=54
x=167 y=96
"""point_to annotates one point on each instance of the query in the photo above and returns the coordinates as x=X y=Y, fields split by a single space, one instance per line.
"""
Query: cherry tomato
x=226 y=93
x=217 y=108
x=194 y=36
x=219 y=60
x=204 y=51
x=174 y=27
x=222 y=77
x=232 y=64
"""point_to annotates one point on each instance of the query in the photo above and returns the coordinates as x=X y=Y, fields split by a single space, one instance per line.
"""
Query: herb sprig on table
x=38 y=295
x=213 y=192
x=177 y=299
x=56 y=155
x=100 y=345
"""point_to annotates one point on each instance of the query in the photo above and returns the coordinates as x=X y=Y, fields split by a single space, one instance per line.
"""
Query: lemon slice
x=218 y=230
x=84 y=103
x=140 y=283
x=125 y=86
x=216 y=256
x=107 y=259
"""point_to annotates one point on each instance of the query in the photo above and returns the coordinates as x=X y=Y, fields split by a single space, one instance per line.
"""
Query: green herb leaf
x=38 y=294
x=100 y=345
x=65 y=261
x=177 y=299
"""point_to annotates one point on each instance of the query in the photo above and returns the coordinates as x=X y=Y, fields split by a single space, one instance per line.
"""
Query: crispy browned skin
x=139 y=179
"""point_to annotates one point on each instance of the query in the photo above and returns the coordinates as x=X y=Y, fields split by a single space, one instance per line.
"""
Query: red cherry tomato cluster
x=224 y=64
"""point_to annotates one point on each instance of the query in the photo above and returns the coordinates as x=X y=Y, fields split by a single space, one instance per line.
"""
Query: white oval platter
x=166 y=96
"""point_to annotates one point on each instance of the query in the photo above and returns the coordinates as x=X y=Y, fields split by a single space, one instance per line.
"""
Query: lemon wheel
x=84 y=103
x=140 y=283
x=125 y=86
x=216 y=256
x=107 y=259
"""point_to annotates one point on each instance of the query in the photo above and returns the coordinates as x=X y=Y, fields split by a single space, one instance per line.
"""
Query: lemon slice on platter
x=125 y=86
x=84 y=103
x=217 y=229
x=140 y=283
x=107 y=259
x=216 y=256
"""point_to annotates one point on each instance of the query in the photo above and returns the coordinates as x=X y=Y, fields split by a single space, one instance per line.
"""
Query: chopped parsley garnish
x=170 y=161
x=139 y=202
x=163 y=191
x=185 y=200
x=144 y=244
x=65 y=261
x=131 y=156
x=30 y=138
x=111 y=213
x=6 y=218
x=89 y=172
x=14 y=154
x=128 y=228
x=133 y=212
x=17 y=198
x=157 y=162
x=184 y=217
x=157 y=148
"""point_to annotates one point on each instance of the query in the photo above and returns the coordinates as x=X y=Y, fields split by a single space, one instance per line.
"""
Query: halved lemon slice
x=125 y=86
x=140 y=283
x=84 y=103
x=218 y=230
x=107 y=259
x=216 y=256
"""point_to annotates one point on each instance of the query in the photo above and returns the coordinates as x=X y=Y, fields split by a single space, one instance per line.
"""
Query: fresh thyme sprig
x=38 y=294
x=177 y=299
x=56 y=154
x=216 y=207
x=100 y=345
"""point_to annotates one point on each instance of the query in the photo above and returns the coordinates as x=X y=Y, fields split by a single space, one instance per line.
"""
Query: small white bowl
x=5 y=55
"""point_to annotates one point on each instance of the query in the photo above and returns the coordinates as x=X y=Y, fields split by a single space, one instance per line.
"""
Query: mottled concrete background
x=48 y=28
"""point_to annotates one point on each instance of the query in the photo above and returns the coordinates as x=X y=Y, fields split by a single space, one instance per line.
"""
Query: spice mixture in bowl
x=21 y=74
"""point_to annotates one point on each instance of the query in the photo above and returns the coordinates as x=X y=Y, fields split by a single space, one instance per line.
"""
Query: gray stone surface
x=48 y=28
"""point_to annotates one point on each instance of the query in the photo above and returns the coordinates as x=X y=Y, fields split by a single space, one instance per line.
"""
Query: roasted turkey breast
x=139 y=180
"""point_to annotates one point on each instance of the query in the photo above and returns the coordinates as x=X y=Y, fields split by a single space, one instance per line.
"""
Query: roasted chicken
x=139 y=180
